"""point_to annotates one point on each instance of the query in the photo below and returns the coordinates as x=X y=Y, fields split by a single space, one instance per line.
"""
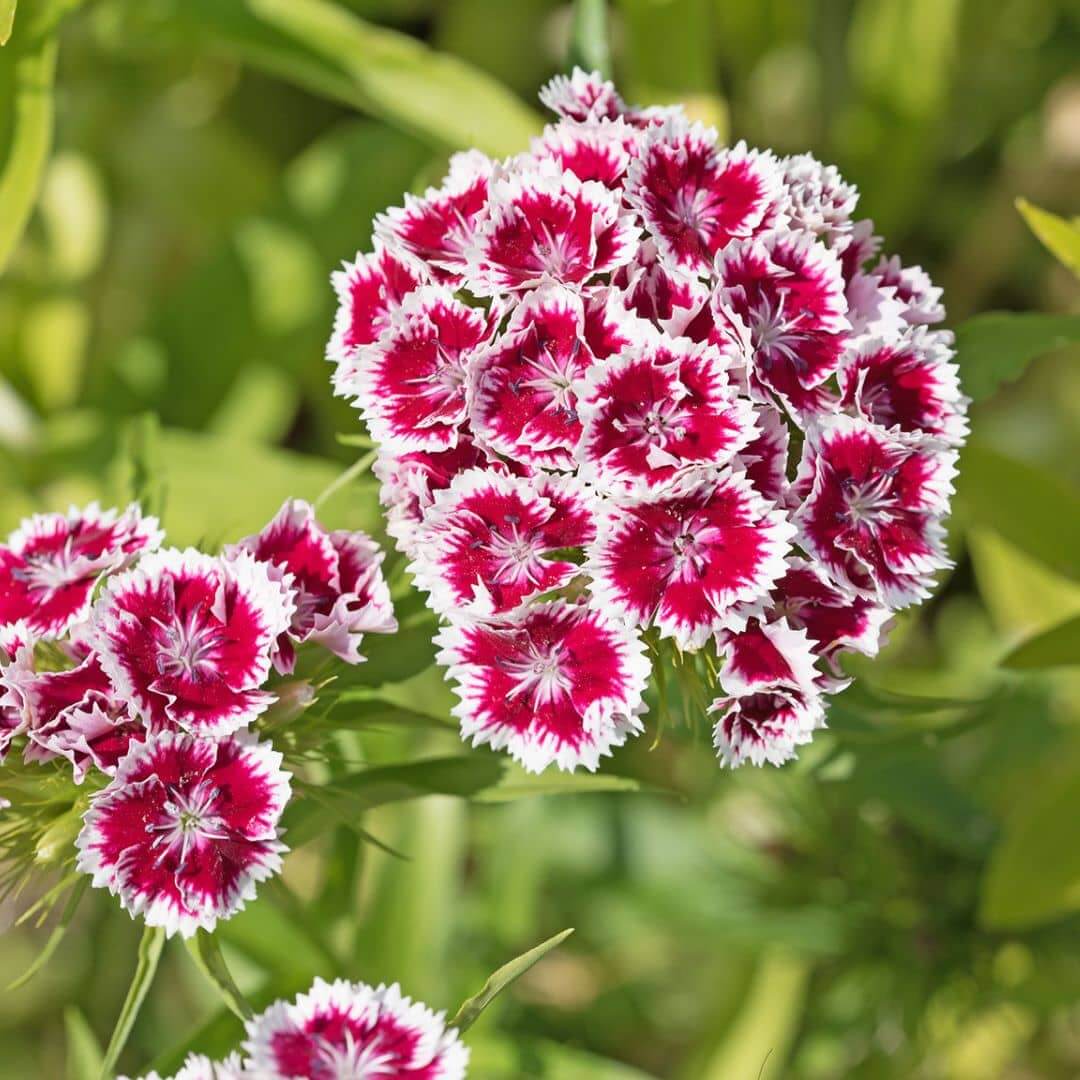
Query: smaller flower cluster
x=338 y=1030
x=146 y=669
x=636 y=386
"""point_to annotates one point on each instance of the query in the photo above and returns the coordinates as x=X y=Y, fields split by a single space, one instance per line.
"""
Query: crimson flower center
x=188 y=646
x=354 y=1060
x=772 y=331
x=187 y=819
x=516 y=554
x=539 y=673
x=871 y=502
x=50 y=571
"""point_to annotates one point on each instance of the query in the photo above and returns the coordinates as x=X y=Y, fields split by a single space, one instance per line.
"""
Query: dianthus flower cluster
x=635 y=391
x=338 y=1030
x=146 y=670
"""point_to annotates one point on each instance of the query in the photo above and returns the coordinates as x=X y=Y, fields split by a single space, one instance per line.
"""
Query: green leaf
x=996 y=348
x=761 y=1035
x=354 y=712
x=153 y=941
x=56 y=936
x=1060 y=237
x=1056 y=647
x=1029 y=507
x=390 y=658
x=205 y=950
x=84 y=1057
x=349 y=796
x=472 y=1007
x=1034 y=872
x=496 y=1057
x=28 y=115
x=519 y=784
x=383 y=72
x=7 y=19
x=589 y=48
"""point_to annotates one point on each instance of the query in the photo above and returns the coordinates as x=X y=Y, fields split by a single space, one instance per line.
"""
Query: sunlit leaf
x=1060 y=237
x=153 y=941
x=1057 y=647
x=471 y=1009
x=7 y=19
x=84 y=1056
x=205 y=950
x=996 y=348
x=1034 y=872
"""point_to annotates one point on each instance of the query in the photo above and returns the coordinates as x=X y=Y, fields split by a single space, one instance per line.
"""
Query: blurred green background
x=903 y=901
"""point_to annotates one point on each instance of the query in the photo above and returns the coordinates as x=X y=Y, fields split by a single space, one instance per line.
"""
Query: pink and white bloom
x=694 y=197
x=872 y=515
x=682 y=559
x=186 y=829
x=51 y=563
x=667 y=297
x=559 y=683
x=200 y=1067
x=654 y=412
x=600 y=150
x=491 y=540
x=335 y=580
x=816 y=197
x=344 y=1029
x=765 y=458
x=410 y=386
x=912 y=286
x=908 y=382
x=582 y=96
x=368 y=290
x=786 y=293
x=524 y=388
x=771 y=704
x=438 y=229
x=186 y=639
x=545 y=225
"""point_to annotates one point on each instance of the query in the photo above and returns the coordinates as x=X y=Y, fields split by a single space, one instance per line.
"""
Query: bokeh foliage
x=903 y=901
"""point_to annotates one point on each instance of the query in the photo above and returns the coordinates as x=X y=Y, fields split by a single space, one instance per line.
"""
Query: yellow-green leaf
x=7 y=19
x=1060 y=237
x=1056 y=647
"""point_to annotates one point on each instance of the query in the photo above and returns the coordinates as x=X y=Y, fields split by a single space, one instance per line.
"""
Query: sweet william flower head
x=186 y=639
x=559 y=683
x=334 y=578
x=344 y=1029
x=200 y=1067
x=186 y=829
x=51 y=563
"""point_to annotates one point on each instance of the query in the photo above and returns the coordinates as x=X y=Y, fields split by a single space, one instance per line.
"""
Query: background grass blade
x=153 y=941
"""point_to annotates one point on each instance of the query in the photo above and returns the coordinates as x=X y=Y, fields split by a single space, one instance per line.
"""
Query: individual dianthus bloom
x=771 y=703
x=912 y=286
x=685 y=557
x=694 y=197
x=492 y=540
x=559 y=683
x=335 y=580
x=654 y=412
x=51 y=563
x=908 y=382
x=186 y=639
x=368 y=290
x=411 y=383
x=872 y=515
x=816 y=197
x=186 y=829
x=200 y=1067
x=344 y=1029
x=599 y=151
x=765 y=458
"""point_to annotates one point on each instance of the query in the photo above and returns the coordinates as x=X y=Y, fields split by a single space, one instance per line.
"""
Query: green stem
x=589 y=46
x=153 y=940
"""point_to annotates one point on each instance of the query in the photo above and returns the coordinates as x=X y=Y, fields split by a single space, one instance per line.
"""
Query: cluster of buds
x=146 y=670
x=642 y=398
x=340 y=1029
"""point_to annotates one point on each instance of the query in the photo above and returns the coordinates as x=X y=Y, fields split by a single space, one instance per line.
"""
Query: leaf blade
x=150 y=947
x=1057 y=647
x=1060 y=237
x=205 y=950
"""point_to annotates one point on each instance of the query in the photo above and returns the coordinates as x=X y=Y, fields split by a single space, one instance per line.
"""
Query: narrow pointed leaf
x=1060 y=237
x=1056 y=647
x=84 y=1057
x=153 y=941
x=471 y=1008
x=7 y=19
x=56 y=936
x=205 y=950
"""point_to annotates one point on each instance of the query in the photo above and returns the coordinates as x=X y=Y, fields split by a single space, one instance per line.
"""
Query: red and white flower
x=872 y=515
x=335 y=580
x=770 y=704
x=600 y=150
x=559 y=683
x=667 y=297
x=816 y=197
x=524 y=388
x=908 y=382
x=786 y=293
x=439 y=228
x=368 y=290
x=582 y=96
x=656 y=411
x=186 y=829
x=344 y=1029
x=765 y=458
x=912 y=286
x=545 y=225
x=695 y=197
x=683 y=559
x=200 y=1067
x=411 y=385
x=51 y=563
x=186 y=639
x=491 y=540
